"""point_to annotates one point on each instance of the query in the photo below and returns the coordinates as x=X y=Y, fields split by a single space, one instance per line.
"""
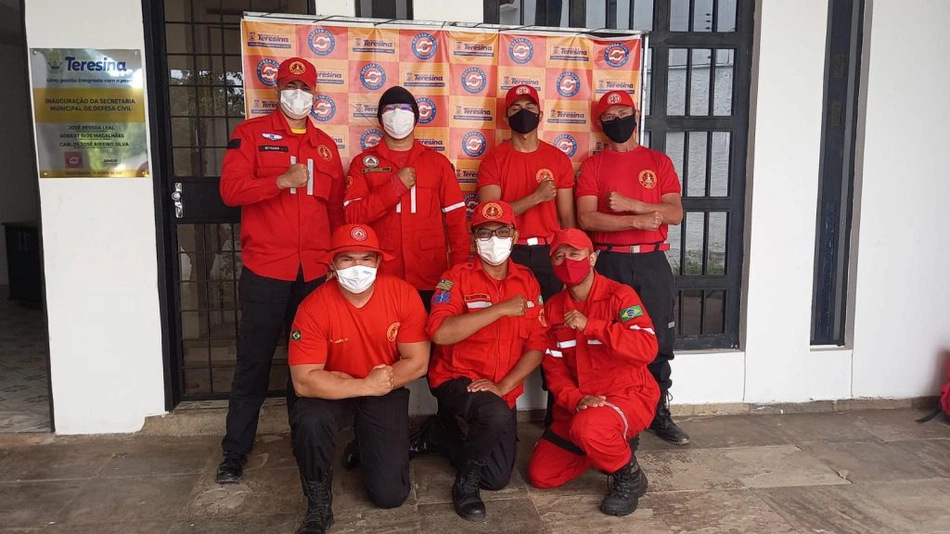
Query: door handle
x=177 y=201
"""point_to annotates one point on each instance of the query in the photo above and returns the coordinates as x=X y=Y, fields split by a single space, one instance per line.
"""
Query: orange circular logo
x=392 y=332
x=492 y=211
x=523 y=90
x=544 y=174
x=324 y=152
x=542 y=318
x=297 y=68
x=358 y=234
x=349 y=181
x=647 y=179
x=613 y=99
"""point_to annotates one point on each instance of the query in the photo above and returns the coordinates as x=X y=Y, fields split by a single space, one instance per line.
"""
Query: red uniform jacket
x=609 y=357
x=493 y=351
x=423 y=227
x=283 y=230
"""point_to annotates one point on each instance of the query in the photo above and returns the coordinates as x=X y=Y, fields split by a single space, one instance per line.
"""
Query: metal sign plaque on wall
x=89 y=110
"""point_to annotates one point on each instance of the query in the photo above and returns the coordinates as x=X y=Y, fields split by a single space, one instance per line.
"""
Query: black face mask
x=524 y=121
x=620 y=129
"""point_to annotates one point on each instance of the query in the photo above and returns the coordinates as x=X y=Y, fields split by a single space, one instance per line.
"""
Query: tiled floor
x=849 y=473
x=24 y=387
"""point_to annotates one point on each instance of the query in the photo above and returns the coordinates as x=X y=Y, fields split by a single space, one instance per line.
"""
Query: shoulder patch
x=296 y=335
x=441 y=297
x=631 y=313
x=234 y=143
x=445 y=285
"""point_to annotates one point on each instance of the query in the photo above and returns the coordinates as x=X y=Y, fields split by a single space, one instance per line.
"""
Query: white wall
x=454 y=11
x=903 y=274
x=100 y=252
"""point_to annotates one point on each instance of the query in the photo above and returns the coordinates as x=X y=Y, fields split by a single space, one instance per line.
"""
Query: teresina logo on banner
x=321 y=42
x=424 y=46
x=427 y=110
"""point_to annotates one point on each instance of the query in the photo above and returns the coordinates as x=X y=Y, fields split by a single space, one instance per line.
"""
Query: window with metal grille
x=697 y=111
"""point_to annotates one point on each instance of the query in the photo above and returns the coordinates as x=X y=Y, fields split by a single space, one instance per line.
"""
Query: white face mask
x=356 y=279
x=495 y=251
x=399 y=123
x=296 y=103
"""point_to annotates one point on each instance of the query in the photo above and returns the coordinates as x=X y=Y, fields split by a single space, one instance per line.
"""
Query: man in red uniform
x=410 y=195
x=488 y=324
x=354 y=346
x=287 y=177
x=627 y=196
x=600 y=343
x=536 y=178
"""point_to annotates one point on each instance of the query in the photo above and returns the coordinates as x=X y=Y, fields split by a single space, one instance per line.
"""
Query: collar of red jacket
x=279 y=122
x=387 y=153
x=598 y=291
x=514 y=273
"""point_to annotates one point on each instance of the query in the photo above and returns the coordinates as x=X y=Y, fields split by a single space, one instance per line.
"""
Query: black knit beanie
x=397 y=95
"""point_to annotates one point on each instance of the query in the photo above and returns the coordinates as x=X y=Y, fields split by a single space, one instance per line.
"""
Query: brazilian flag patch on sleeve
x=295 y=335
x=631 y=313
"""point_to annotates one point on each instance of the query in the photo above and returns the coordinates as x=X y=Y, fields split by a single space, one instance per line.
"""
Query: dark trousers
x=538 y=259
x=491 y=434
x=268 y=307
x=382 y=431
x=650 y=275
x=426 y=296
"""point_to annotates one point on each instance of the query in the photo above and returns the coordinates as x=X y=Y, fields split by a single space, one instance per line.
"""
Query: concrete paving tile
x=270 y=524
x=138 y=527
x=109 y=500
x=682 y=470
x=731 y=431
x=777 y=466
x=894 y=425
x=163 y=456
x=260 y=492
x=580 y=514
x=433 y=476
x=838 y=509
x=713 y=512
x=514 y=516
x=19 y=502
x=826 y=427
x=271 y=451
x=871 y=461
x=932 y=452
x=54 y=461
x=925 y=503
x=404 y=519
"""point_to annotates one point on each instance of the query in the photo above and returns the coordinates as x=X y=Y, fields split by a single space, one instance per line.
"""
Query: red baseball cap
x=614 y=98
x=493 y=211
x=297 y=69
x=573 y=238
x=354 y=237
x=519 y=91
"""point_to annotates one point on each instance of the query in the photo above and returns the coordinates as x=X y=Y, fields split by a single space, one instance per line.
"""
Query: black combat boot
x=319 y=495
x=427 y=439
x=627 y=485
x=663 y=425
x=231 y=468
x=465 y=496
x=351 y=455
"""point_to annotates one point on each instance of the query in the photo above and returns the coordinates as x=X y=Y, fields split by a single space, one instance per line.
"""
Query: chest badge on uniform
x=392 y=332
x=647 y=178
x=272 y=136
x=349 y=182
x=370 y=161
x=324 y=152
x=544 y=174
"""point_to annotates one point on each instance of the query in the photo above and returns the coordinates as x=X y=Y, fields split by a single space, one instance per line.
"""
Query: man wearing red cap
x=410 y=195
x=599 y=345
x=536 y=178
x=627 y=196
x=287 y=177
x=488 y=324
x=353 y=348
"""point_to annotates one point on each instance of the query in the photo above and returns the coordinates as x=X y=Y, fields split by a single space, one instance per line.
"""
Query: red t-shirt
x=518 y=175
x=329 y=330
x=641 y=174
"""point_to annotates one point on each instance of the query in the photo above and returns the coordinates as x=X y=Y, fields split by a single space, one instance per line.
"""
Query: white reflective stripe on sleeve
x=453 y=207
x=626 y=425
x=594 y=342
x=399 y=207
x=348 y=202
x=567 y=344
x=412 y=200
x=478 y=304
x=293 y=190
x=310 y=176
x=555 y=353
x=530 y=304
x=637 y=327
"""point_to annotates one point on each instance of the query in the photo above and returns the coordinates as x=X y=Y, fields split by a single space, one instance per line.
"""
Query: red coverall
x=423 y=227
x=283 y=230
x=608 y=358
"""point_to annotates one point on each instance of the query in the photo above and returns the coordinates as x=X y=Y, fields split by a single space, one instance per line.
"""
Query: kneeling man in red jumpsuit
x=599 y=344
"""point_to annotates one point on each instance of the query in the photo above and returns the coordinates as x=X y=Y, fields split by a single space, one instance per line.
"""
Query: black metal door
x=196 y=98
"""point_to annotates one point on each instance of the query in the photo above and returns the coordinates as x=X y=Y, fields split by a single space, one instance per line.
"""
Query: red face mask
x=572 y=272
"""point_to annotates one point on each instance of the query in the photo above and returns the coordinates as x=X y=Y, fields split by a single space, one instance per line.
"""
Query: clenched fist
x=295 y=176
x=619 y=203
x=516 y=306
x=648 y=221
x=546 y=191
x=408 y=176
x=575 y=319
x=379 y=381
